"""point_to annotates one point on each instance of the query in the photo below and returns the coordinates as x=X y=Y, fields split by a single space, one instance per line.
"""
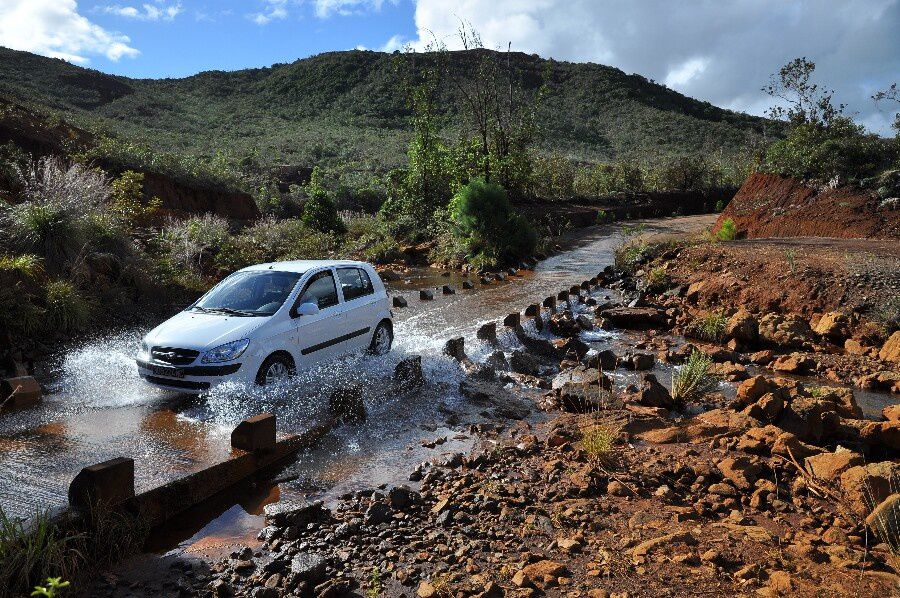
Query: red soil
x=770 y=205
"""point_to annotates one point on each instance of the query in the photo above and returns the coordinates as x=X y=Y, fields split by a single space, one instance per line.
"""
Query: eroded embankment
x=770 y=205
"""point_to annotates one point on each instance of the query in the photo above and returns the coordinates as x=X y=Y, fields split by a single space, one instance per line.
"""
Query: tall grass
x=711 y=326
x=598 y=442
x=693 y=379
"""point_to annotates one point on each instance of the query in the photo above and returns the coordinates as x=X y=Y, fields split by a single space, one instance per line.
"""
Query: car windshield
x=249 y=293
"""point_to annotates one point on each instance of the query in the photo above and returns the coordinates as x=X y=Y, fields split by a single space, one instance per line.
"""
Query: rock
x=645 y=547
x=346 y=402
x=781 y=583
x=843 y=400
x=788 y=445
x=865 y=486
x=767 y=408
x=885 y=518
x=399 y=301
x=639 y=361
x=882 y=434
x=741 y=471
x=803 y=418
x=468 y=284
x=891 y=412
x=408 y=375
x=763 y=357
x=426 y=590
x=636 y=318
x=795 y=363
x=524 y=363
x=307 y=566
x=890 y=351
x=563 y=325
x=743 y=327
x=539 y=575
x=456 y=348
x=653 y=394
x=751 y=390
x=830 y=466
x=377 y=514
x=584 y=322
x=569 y=544
x=834 y=325
x=791 y=332
x=401 y=497
x=854 y=347
x=291 y=512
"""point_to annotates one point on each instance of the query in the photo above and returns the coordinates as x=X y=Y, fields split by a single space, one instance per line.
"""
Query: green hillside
x=349 y=109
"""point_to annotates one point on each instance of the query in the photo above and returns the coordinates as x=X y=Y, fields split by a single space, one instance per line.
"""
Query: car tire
x=276 y=367
x=382 y=339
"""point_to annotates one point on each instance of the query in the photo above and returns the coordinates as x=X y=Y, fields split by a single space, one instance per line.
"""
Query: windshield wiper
x=230 y=312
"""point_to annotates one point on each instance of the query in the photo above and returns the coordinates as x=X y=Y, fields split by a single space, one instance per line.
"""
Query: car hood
x=202 y=331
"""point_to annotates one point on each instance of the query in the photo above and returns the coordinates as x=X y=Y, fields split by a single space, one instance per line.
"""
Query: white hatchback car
x=263 y=323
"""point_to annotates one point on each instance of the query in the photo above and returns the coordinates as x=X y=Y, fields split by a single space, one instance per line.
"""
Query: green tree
x=319 y=212
x=483 y=219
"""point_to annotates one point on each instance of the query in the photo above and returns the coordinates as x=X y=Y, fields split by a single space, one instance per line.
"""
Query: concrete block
x=346 y=402
x=448 y=290
x=16 y=393
x=456 y=348
x=426 y=295
x=488 y=332
x=255 y=433
x=108 y=483
x=532 y=310
x=550 y=302
x=512 y=320
x=399 y=301
x=408 y=374
x=585 y=284
x=575 y=290
x=562 y=296
x=467 y=284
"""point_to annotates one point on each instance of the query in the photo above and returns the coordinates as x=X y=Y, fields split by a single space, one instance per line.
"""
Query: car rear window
x=355 y=283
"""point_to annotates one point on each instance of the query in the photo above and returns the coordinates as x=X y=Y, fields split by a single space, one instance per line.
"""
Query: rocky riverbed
x=765 y=483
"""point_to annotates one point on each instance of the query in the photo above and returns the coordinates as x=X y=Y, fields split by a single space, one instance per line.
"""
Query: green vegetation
x=728 y=231
x=343 y=110
x=44 y=550
x=711 y=326
x=599 y=442
x=693 y=380
x=822 y=143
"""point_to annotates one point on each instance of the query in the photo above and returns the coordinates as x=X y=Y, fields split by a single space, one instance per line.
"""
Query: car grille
x=174 y=356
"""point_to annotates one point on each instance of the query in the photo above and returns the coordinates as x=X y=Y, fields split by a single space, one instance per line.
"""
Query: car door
x=319 y=336
x=360 y=305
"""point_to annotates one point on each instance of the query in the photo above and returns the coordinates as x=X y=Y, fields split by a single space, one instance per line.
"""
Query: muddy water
x=100 y=409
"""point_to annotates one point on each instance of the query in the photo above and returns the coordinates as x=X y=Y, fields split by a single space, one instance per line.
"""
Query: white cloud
x=722 y=52
x=55 y=28
x=146 y=12
x=397 y=42
x=274 y=10
x=326 y=8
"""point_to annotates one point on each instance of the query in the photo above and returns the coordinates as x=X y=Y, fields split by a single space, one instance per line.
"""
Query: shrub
x=270 y=239
x=693 y=379
x=657 y=279
x=720 y=205
x=192 y=245
x=629 y=255
x=483 y=220
x=598 y=442
x=29 y=265
x=711 y=326
x=67 y=309
x=606 y=179
x=320 y=212
x=728 y=231
x=127 y=199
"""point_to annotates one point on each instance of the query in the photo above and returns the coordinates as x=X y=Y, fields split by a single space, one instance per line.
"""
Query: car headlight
x=144 y=352
x=226 y=352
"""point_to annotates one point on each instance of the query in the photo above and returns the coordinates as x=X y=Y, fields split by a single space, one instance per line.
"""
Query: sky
x=722 y=51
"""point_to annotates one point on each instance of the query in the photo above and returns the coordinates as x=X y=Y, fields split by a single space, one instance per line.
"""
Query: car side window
x=320 y=290
x=355 y=283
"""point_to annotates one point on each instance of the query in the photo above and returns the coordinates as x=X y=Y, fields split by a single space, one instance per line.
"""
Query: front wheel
x=382 y=339
x=275 y=368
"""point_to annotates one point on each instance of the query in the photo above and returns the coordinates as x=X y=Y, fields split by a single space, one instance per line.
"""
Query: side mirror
x=307 y=309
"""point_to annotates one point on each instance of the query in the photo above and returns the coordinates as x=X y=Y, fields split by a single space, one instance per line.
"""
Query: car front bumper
x=190 y=378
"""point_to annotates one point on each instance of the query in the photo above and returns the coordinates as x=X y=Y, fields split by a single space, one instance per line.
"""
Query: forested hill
x=350 y=108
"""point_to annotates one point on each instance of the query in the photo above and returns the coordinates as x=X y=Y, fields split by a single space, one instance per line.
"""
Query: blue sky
x=232 y=34
x=722 y=51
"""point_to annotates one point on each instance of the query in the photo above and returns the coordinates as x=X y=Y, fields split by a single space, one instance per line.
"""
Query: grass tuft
x=598 y=442
x=693 y=379
x=711 y=326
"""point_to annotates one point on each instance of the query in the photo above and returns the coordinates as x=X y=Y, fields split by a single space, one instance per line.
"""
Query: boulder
x=788 y=445
x=829 y=466
x=636 y=318
x=639 y=361
x=524 y=363
x=294 y=513
x=891 y=412
x=653 y=394
x=882 y=434
x=803 y=417
x=795 y=363
x=539 y=575
x=426 y=295
x=866 y=486
x=790 y=332
x=844 y=401
x=890 y=351
x=741 y=471
x=563 y=324
x=309 y=567
x=767 y=408
x=834 y=325
x=743 y=327
x=751 y=390
x=854 y=347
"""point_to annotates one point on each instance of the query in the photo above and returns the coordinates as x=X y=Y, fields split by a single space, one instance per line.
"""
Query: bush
x=598 y=442
x=728 y=231
x=482 y=219
x=606 y=179
x=711 y=326
x=192 y=245
x=270 y=240
x=67 y=309
x=320 y=211
x=693 y=379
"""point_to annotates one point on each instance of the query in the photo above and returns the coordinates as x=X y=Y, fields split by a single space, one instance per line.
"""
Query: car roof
x=303 y=265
